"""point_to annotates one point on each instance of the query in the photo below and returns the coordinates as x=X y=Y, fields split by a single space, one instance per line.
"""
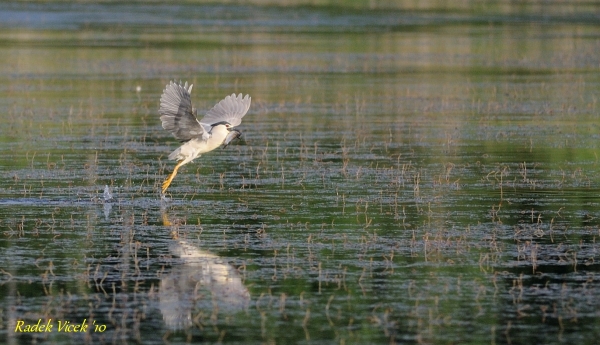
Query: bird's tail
x=175 y=154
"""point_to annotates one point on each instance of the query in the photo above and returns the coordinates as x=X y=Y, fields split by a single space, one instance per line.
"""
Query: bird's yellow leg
x=170 y=178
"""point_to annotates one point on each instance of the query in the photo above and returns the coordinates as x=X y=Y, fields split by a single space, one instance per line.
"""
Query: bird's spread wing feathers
x=231 y=109
x=177 y=114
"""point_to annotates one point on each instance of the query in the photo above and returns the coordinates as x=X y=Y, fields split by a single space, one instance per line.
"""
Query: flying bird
x=215 y=129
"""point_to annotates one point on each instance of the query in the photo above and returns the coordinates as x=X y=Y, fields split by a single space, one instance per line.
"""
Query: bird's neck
x=218 y=135
x=219 y=131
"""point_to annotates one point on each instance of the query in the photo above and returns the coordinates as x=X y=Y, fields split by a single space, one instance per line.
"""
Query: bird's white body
x=196 y=147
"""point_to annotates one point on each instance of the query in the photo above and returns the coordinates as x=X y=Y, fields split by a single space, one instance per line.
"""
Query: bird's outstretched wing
x=177 y=114
x=231 y=109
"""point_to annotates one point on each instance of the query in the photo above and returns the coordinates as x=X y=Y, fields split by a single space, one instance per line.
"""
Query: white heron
x=215 y=129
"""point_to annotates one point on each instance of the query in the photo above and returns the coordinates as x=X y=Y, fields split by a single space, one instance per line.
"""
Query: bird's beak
x=233 y=134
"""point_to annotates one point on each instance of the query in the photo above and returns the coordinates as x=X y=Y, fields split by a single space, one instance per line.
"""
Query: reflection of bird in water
x=216 y=128
x=202 y=281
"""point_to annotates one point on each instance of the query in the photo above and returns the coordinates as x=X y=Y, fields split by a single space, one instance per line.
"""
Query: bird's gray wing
x=177 y=114
x=231 y=109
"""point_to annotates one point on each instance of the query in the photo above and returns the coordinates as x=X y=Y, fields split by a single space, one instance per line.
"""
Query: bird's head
x=220 y=128
x=226 y=127
x=222 y=123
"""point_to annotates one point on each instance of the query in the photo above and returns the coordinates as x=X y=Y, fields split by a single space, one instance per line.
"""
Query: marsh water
x=406 y=175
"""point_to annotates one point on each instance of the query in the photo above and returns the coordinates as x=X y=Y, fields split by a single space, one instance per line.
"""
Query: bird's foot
x=166 y=184
x=170 y=178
